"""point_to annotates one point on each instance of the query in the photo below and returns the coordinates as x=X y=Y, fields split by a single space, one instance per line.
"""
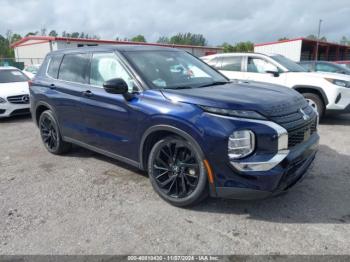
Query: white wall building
x=33 y=49
x=299 y=49
x=290 y=49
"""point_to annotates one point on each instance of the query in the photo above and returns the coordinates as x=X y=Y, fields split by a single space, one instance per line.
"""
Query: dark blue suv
x=166 y=112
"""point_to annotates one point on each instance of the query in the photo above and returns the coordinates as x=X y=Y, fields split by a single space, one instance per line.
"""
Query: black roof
x=114 y=48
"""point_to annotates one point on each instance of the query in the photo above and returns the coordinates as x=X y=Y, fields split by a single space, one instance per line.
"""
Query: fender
x=188 y=137
x=42 y=103
x=170 y=129
x=323 y=94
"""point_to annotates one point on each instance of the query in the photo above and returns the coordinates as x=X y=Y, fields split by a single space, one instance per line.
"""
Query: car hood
x=266 y=99
x=12 y=89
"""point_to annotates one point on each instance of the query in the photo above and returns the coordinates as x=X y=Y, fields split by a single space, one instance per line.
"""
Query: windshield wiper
x=216 y=83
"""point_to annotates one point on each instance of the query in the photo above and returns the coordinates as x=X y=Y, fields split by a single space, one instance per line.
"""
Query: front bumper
x=279 y=179
x=340 y=111
x=339 y=99
x=8 y=109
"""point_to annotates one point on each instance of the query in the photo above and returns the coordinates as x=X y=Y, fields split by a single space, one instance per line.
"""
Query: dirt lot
x=84 y=203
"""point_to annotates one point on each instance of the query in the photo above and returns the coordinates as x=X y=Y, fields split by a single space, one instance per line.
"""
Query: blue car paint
x=110 y=122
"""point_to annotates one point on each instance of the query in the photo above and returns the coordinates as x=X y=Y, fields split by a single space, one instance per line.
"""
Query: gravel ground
x=85 y=203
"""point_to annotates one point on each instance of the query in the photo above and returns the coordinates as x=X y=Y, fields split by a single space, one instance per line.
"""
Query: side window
x=258 y=65
x=54 y=65
x=326 y=68
x=105 y=66
x=307 y=66
x=231 y=63
x=74 y=68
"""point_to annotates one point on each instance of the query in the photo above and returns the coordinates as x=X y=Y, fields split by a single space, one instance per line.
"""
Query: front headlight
x=338 y=82
x=240 y=144
x=234 y=113
x=2 y=100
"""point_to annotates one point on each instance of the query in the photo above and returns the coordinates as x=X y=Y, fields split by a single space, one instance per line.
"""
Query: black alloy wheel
x=177 y=172
x=50 y=134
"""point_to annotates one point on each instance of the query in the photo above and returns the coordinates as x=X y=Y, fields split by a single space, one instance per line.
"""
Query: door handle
x=52 y=86
x=87 y=93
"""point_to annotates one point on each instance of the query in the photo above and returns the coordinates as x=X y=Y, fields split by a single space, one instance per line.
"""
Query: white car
x=31 y=70
x=14 y=92
x=323 y=91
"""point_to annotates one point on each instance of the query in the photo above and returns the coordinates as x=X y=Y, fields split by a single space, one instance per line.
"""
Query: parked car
x=344 y=63
x=14 y=92
x=324 y=66
x=165 y=111
x=31 y=70
x=323 y=91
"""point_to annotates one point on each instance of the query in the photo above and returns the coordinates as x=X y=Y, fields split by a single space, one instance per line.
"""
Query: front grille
x=300 y=124
x=21 y=99
x=295 y=119
x=299 y=135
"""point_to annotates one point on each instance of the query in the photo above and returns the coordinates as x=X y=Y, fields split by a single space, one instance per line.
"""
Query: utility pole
x=318 y=38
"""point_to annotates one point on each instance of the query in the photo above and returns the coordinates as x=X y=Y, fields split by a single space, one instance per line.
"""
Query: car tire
x=50 y=134
x=315 y=102
x=177 y=172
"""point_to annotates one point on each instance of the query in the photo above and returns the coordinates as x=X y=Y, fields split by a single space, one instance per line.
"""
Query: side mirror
x=116 y=86
x=274 y=73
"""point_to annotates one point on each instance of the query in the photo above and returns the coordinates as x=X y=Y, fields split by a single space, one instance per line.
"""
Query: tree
x=15 y=37
x=239 y=47
x=188 y=39
x=344 y=41
x=139 y=38
x=163 y=40
x=75 y=35
x=184 y=39
x=53 y=33
x=32 y=33
x=313 y=37
x=283 y=38
x=5 y=50
x=95 y=37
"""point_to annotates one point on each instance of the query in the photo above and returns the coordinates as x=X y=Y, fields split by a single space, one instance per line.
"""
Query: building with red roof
x=33 y=49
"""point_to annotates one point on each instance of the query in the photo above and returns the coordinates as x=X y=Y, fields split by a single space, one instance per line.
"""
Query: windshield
x=9 y=76
x=289 y=64
x=173 y=69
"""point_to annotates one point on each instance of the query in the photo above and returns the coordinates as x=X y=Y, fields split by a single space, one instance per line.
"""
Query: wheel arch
x=157 y=132
x=312 y=89
x=39 y=109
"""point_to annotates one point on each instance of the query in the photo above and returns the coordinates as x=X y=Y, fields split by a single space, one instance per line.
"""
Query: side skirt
x=103 y=152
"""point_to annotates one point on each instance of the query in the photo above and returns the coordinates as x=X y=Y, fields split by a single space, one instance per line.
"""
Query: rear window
x=10 y=76
x=54 y=65
x=74 y=68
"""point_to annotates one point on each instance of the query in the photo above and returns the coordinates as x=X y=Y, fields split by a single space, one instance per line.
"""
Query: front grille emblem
x=305 y=116
x=25 y=99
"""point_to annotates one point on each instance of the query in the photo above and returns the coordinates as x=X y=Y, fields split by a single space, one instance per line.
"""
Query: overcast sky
x=218 y=20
